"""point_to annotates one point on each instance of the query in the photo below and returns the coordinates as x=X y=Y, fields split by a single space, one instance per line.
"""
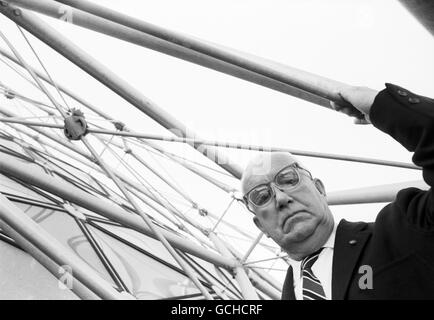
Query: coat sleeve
x=409 y=119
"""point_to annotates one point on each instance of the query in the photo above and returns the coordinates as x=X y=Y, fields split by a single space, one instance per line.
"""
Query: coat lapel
x=350 y=240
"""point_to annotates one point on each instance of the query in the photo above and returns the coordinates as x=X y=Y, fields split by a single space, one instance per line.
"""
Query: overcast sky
x=357 y=42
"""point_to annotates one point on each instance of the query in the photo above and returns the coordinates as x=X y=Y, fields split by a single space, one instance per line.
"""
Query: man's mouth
x=286 y=226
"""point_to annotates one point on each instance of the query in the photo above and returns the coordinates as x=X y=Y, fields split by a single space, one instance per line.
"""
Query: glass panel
x=144 y=276
x=64 y=228
x=157 y=249
x=142 y=241
x=23 y=278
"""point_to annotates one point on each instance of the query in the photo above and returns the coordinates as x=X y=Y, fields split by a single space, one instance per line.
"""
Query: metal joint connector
x=203 y=212
x=75 y=125
x=119 y=125
x=71 y=210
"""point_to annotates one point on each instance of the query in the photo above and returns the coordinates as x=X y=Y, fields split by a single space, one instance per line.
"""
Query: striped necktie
x=312 y=288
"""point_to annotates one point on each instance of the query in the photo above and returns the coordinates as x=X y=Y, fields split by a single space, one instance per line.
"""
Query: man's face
x=298 y=219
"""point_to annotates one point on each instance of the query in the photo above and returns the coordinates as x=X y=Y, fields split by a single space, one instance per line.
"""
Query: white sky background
x=357 y=42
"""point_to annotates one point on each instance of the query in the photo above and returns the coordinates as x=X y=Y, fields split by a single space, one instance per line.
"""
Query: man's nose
x=282 y=198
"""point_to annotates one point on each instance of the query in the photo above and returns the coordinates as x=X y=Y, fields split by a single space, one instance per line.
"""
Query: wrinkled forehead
x=263 y=168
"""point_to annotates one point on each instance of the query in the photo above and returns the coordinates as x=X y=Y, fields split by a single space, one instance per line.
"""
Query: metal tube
x=78 y=288
x=300 y=84
x=36 y=235
x=51 y=37
x=28 y=173
x=373 y=194
x=247 y=289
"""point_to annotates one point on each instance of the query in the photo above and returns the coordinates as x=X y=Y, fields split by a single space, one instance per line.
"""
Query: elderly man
x=392 y=258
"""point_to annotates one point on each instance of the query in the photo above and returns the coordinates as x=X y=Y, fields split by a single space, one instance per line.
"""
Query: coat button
x=413 y=100
x=352 y=242
x=402 y=93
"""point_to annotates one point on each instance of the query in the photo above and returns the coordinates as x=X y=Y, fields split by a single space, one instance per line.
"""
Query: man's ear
x=320 y=186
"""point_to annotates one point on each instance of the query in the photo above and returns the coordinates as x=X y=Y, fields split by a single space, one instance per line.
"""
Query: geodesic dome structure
x=92 y=209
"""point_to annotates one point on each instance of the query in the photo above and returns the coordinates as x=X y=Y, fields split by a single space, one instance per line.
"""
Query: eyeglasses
x=261 y=195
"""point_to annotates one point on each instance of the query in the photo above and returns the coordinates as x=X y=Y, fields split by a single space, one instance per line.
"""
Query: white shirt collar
x=330 y=243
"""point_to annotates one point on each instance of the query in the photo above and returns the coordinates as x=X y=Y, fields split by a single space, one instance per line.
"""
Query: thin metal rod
x=50 y=246
x=252 y=247
x=234 y=145
x=231 y=145
x=223 y=214
x=54 y=39
x=264 y=260
x=268 y=268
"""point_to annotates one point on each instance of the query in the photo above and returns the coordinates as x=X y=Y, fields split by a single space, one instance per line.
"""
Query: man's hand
x=359 y=99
